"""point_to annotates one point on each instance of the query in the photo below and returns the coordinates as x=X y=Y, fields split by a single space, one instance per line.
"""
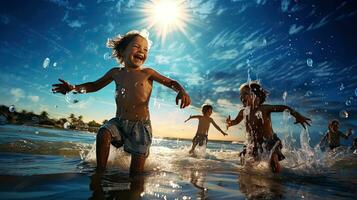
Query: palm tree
x=44 y=115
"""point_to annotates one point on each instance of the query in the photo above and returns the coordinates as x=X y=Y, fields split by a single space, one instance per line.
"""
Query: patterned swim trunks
x=200 y=139
x=135 y=136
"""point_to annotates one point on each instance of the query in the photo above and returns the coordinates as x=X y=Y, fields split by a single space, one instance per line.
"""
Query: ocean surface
x=42 y=163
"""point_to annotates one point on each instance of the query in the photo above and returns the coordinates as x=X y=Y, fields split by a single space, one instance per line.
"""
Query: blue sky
x=225 y=44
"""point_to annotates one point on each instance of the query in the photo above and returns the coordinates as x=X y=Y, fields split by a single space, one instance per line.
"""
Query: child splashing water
x=204 y=122
x=131 y=127
x=258 y=123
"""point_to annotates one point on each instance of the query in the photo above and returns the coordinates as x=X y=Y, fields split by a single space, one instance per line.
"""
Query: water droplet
x=285 y=94
x=66 y=125
x=342 y=87
x=55 y=64
x=71 y=98
x=344 y=114
x=309 y=62
x=308 y=93
x=12 y=108
x=122 y=91
x=36 y=132
x=83 y=91
x=46 y=63
x=348 y=102
x=107 y=56
x=56 y=106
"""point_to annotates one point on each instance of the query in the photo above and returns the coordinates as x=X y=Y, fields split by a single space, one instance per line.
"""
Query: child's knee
x=104 y=135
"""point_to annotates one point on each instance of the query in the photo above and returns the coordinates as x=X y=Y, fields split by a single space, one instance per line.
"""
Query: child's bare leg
x=102 y=148
x=274 y=163
x=137 y=164
x=194 y=144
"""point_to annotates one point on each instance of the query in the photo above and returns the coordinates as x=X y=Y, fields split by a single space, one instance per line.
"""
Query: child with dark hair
x=204 y=122
x=131 y=127
x=333 y=134
x=258 y=122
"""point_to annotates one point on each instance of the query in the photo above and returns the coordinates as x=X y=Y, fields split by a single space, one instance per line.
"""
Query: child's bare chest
x=132 y=86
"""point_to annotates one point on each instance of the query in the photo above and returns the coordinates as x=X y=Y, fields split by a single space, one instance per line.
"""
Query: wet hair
x=333 y=121
x=206 y=107
x=257 y=89
x=119 y=43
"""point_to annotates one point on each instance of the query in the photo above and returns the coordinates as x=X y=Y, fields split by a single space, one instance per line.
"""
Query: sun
x=166 y=16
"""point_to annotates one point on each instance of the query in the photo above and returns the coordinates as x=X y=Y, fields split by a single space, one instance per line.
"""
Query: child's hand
x=185 y=99
x=349 y=131
x=62 y=88
x=302 y=120
x=228 y=122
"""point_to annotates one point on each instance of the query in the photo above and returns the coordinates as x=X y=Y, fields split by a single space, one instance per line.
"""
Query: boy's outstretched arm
x=217 y=127
x=192 y=116
x=236 y=121
x=182 y=95
x=323 y=138
x=298 y=117
x=65 y=87
x=347 y=134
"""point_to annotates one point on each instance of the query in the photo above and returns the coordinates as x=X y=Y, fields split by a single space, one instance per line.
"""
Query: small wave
x=45 y=147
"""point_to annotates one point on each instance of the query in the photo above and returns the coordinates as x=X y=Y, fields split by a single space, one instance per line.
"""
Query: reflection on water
x=197 y=178
x=259 y=187
x=106 y=186
x=170 y=173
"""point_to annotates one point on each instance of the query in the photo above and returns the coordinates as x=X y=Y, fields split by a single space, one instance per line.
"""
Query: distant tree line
x=11 y=116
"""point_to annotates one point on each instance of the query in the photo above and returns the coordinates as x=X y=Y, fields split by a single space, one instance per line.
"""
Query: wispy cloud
x=75 y=23
x=225 y=55
x=17 y=94
x=160 y=59
x=202 y=8
x=294 y=29
x=33 y=98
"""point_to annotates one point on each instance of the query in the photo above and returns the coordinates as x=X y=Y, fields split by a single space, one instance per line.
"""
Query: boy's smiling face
x=135 y=53
x=246 y=96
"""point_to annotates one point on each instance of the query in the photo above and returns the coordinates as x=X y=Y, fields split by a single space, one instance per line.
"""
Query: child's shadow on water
x=106 y=186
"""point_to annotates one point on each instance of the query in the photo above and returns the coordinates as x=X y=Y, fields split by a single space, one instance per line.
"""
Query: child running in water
x=258 y=122
x=333 y=134
x=131 y=127
x=204 y=122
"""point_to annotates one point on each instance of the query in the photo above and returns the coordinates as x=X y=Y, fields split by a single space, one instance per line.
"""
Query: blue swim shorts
x=135 y=136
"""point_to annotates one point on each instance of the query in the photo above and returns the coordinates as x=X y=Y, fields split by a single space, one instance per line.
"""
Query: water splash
x=343 y=114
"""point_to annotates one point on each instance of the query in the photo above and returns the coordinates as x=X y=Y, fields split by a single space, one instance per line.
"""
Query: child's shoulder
x=148 y=70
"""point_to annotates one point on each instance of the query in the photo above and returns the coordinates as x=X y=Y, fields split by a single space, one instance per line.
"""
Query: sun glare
x=165 y=16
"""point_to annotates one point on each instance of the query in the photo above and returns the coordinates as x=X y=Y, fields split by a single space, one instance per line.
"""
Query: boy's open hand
x=62 y=87
x=185 y=99
x=302 y=120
